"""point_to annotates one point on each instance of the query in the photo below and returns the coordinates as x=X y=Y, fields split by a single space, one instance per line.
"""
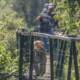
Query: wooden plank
x=26 y=33
x=61 y=37
x=58 y=35
x=64 y=37
x=40 y=34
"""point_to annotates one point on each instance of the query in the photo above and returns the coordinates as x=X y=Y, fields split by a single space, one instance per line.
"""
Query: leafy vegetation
x=8 y=25
x=68 y=16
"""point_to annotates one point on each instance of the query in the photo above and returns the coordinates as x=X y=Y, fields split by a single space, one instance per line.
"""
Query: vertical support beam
x=75 y=60
x=29 y=41
x=51 y=59
x=70 y=63
x=17 y=40
x=31 y=58
x=21 y=57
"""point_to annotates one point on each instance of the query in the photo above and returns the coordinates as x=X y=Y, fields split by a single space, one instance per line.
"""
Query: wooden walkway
x=46 y=76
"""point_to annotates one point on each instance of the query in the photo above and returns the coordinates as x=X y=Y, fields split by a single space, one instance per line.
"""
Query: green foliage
x=6 y=62
x=68 y=14
x=3 y=58
x=8 y=25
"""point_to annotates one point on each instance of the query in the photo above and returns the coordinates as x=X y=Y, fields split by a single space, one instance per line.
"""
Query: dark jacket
x=55 y=22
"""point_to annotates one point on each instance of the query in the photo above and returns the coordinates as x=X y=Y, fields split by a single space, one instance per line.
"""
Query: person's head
x=51 y=7
x=46 y=5
x=44 y=10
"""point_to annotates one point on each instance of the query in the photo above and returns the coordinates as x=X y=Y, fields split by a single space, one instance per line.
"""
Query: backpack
x=44 y=24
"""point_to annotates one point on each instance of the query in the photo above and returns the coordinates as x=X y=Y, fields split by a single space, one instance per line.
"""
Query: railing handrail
x=58 y=37
x=62 y=37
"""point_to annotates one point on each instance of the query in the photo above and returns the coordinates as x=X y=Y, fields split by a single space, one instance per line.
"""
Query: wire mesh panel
x=61 y=69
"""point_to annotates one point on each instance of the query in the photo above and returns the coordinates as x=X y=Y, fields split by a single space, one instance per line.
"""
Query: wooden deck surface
x=46 y=76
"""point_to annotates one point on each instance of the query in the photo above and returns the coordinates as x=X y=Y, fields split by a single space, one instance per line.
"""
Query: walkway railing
x=62 y=56
x=60 y=43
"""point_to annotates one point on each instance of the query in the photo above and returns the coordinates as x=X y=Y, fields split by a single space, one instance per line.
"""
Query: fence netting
x=39 y=59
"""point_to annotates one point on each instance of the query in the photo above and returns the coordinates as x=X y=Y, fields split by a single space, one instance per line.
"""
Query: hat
x=46 y=5
x=44 y=10
x=51 y=5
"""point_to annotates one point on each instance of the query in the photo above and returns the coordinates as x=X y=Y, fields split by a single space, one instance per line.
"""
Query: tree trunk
x=24 y=8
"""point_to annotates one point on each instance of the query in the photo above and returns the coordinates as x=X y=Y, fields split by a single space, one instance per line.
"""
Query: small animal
x=39 y=56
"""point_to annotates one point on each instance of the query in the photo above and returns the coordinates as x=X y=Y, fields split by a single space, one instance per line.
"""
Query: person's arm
x=39 y=17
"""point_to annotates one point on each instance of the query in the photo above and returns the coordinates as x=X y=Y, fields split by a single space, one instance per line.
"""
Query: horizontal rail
x=57 y=36
x=40 y=34
x=66 y=38
x=26 y=33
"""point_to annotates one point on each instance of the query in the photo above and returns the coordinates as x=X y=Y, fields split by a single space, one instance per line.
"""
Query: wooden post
x=70 y=63
x=31 y=58
x=21 y=57
x=75 y=60
x=51 y=59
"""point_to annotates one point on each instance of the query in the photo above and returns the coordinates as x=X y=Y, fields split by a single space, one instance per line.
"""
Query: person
x=46 y=5
x=52 y=6
x=36 y=28
x=51 y=9
x=44 y=26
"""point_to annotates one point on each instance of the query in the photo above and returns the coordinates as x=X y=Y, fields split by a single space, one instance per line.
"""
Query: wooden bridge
x=59 y=64
x=57 y=54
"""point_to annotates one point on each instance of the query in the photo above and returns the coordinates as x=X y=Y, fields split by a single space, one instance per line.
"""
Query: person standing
x=51 y=13
x=45 y=26
x=46 y=5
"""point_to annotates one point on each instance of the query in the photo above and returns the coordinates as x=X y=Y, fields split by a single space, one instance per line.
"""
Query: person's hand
x=38 y=18
x=41 y=14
